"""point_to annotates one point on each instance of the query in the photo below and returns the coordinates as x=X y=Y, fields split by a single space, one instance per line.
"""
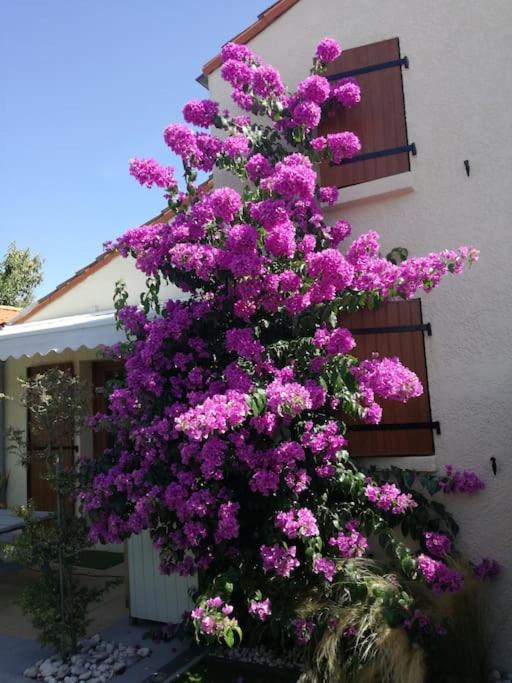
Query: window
x=38 y=487
x=395 y=329
x=105 y=374
x=379 y=119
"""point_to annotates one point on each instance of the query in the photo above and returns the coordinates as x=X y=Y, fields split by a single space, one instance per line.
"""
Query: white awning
x=88 y=330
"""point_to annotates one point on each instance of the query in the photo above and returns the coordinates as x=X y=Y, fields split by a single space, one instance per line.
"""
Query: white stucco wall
x=95 y=293
x=458 y=96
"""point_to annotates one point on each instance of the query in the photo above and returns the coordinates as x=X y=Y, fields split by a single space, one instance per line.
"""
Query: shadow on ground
x=19 y=648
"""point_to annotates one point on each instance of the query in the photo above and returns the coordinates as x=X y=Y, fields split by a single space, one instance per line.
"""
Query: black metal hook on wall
x=467 y=167
x=494 y=465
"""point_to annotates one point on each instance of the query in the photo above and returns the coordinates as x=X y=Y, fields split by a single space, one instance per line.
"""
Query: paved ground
x=19 y=648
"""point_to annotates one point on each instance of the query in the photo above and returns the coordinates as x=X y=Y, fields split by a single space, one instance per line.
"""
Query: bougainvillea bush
x=230 y=434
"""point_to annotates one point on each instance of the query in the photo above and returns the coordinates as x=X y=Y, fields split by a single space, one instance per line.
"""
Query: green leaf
x=229 y=638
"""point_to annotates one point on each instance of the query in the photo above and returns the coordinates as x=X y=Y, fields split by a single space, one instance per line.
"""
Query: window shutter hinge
x=403 y=61
x=423 y=327
x=391 y=151
x=396 y=426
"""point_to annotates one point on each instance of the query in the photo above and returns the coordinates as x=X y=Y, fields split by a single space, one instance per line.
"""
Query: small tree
x=57 y=403
x=20 y=274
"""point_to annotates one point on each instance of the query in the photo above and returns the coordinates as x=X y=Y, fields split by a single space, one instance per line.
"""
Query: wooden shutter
x=103 y=372
x=38 y=488
x=379 y=119
x=395 y=329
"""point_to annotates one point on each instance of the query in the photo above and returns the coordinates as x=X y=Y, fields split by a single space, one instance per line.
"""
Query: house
x=67 y=328
x=433 y=174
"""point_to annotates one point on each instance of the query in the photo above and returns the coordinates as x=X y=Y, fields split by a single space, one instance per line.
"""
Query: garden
x=229 y=430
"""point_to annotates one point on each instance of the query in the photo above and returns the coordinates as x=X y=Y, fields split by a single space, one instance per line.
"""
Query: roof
x=7 y=313
x=264 y=19
x=75 y=279
x=90 y=268
x=88 y=330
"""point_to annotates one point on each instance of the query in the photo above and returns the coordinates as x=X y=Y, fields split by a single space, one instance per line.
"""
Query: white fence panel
x=153 y=595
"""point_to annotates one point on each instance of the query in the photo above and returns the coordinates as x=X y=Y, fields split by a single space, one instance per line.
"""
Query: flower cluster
x=487 y=569
x=261 y=609
x=149 y=172
x=351 y=543
x=303 y=630
x=325 y=566
x=219 y=414
x=455 y=481
x=437 y=544
x=295 y=523
x=439 y=577
x=280 y=560
x=388 y=378
x=389 y=498
x=213 y=617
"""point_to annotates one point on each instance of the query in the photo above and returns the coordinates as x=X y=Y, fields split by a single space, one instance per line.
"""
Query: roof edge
x=89 y=269
x=264 y=20
x=79 y=276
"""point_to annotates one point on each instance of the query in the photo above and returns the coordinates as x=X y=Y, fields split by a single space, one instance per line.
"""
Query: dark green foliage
x=20 y=274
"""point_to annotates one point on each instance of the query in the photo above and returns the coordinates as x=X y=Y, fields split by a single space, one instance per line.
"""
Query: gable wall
x=95 y=293
x=458 y=97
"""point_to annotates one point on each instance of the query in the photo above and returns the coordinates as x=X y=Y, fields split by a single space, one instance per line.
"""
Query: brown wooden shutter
x=395 y=329
x=38 y=488
x=379 y=119
x=103 y=372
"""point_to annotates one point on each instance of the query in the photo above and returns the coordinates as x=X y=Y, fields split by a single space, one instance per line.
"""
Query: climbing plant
x=230 y=438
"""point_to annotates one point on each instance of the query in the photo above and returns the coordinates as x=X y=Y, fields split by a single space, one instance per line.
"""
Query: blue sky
x=87 y=84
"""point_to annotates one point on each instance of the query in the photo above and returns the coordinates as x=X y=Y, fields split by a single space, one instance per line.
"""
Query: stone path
x=16 y=654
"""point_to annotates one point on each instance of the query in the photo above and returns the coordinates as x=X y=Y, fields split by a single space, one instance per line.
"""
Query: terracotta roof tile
x=7 y=313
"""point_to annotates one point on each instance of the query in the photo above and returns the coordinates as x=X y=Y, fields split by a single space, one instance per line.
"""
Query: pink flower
x=303 y=629
x=328 y=50
x=200 y=112
x=261 y=609
x=487 y=569
x=343 y=145
x=237 y=52
x=237 y=73
x=225 y=203
x=267 y=82
x=181 y=140
x=389 y=498
x=388 y=378
x=321 y=565
x=278 y=559
x=350 y=544
x=296 y=523
x=307 y=114
x=456 y=481
x=235 y=146
x=294 y=178
x=216 y=414
x=287 y=399
x=315 y=89
x=347 y=92
x=329 y=195
x=440 y=577
x=149 y=172
x=258 y=167
x=437 y=544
